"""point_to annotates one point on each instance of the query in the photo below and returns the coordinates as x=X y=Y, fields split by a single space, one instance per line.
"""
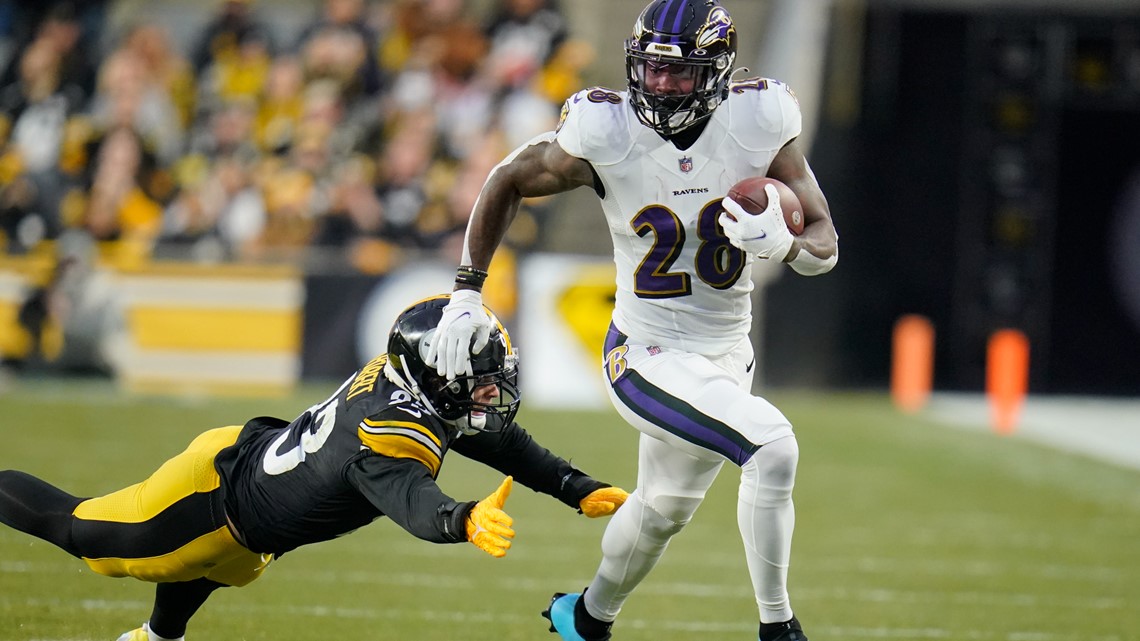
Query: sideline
x=1107 y=429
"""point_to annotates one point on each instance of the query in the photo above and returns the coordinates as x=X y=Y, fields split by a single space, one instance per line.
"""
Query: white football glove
x=463 y=318
x=764 y=235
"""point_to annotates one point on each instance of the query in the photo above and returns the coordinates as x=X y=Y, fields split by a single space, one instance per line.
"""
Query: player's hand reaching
x=488 y=526
x=463 y=319
x=764 y=235
x=603 y=502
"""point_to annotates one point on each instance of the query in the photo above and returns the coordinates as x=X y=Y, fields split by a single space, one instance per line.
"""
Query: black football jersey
x=370 y=450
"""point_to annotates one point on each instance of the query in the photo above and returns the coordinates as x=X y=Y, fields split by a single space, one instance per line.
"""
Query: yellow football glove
x=488 y=526
x=603 y=502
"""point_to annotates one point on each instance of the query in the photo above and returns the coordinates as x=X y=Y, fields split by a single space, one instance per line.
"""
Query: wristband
x=808 y=264
x=470 y=276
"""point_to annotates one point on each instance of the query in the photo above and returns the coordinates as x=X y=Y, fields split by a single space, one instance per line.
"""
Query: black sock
x=587 y=625
x=175 y=603
x=38 y=508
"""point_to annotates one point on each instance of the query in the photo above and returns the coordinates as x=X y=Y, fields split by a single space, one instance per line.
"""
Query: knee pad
x=771 y=472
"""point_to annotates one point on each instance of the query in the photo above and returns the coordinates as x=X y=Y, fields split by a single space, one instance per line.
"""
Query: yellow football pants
x=171 y=527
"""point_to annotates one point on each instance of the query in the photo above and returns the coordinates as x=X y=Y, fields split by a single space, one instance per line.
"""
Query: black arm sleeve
x=405 y=492
x=512 y=451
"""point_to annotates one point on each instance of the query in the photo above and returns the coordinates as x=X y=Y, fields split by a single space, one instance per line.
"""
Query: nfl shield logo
x=686 y=164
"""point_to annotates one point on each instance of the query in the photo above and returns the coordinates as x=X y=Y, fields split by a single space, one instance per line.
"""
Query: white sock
x=766 y=518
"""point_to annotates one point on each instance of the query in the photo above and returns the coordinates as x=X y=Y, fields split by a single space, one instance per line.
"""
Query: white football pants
x=694 y=413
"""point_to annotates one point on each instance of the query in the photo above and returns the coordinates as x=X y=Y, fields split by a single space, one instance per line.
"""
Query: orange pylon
x=1007 y=377
x=912 y=362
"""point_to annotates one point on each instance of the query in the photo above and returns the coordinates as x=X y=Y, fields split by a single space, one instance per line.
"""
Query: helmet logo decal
x=717 y=28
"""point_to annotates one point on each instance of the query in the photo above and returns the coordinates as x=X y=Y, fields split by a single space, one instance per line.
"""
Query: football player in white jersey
x=678 y=360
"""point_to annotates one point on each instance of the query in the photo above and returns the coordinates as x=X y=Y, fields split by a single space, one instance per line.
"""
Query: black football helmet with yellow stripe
x=454 y=400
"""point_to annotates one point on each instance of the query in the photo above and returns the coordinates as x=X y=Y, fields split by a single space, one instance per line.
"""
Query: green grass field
x=905 y=530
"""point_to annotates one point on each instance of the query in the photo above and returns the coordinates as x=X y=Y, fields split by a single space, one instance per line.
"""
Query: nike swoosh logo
x=463 y=315
x=762 y=235
x=749 y=368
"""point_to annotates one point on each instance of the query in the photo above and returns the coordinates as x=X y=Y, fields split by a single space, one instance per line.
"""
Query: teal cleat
x=561 y=614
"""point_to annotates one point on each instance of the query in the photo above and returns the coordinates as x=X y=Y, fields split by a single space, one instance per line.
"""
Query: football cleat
x=561 y=616
x=138 y=634
x=789 y=630
x=143 y=634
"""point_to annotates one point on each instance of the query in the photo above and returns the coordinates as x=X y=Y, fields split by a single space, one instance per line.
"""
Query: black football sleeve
x=404 y=490
x=514 y=452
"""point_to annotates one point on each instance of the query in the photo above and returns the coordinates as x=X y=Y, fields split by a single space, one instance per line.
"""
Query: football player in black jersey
x=218 y=513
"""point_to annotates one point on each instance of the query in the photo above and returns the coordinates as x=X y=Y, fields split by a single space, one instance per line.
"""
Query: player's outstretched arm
x=513 y=451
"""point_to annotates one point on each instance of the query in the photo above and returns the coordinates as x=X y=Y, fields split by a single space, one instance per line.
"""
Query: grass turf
x=905 y=530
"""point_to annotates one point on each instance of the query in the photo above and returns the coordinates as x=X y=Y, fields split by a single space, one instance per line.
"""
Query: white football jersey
x=680 y=283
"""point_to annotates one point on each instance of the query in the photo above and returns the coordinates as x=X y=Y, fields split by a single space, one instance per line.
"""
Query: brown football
x=749 y=194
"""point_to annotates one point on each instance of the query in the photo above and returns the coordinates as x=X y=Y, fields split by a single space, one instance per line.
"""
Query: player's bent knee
x=771 y=472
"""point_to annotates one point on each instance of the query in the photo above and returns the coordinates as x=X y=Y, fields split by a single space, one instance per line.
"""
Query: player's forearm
x=494 y=211
x=818 y=239
x=515 y=453
x=406 y=493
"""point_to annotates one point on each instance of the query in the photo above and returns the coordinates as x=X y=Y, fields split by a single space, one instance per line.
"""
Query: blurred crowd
x=362 y=138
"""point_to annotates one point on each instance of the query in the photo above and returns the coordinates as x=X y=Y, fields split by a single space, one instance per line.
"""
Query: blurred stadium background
x=210 y=209
x=239 y=181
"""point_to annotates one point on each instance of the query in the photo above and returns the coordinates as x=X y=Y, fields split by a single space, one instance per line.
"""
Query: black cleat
x=546 y=612
x=789 y=630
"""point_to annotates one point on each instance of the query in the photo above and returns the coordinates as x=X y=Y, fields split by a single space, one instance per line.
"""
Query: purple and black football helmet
x=693 y=33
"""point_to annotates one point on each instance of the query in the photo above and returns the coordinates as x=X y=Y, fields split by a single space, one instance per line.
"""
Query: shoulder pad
x=595 y=126
x=765 y=113
x=390 y=434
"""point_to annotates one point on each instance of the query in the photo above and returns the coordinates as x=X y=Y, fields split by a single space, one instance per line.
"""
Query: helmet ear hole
x=425 y=342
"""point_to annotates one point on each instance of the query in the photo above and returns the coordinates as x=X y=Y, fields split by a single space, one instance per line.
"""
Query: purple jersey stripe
x=614 y=337
x=680 y=424
x=689 y=425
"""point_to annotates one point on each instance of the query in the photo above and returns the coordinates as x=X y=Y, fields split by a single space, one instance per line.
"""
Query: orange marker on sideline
x=912 y=362
x=1007 y=377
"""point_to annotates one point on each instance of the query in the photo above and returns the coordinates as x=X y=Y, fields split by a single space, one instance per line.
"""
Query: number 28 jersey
x=680 y=283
